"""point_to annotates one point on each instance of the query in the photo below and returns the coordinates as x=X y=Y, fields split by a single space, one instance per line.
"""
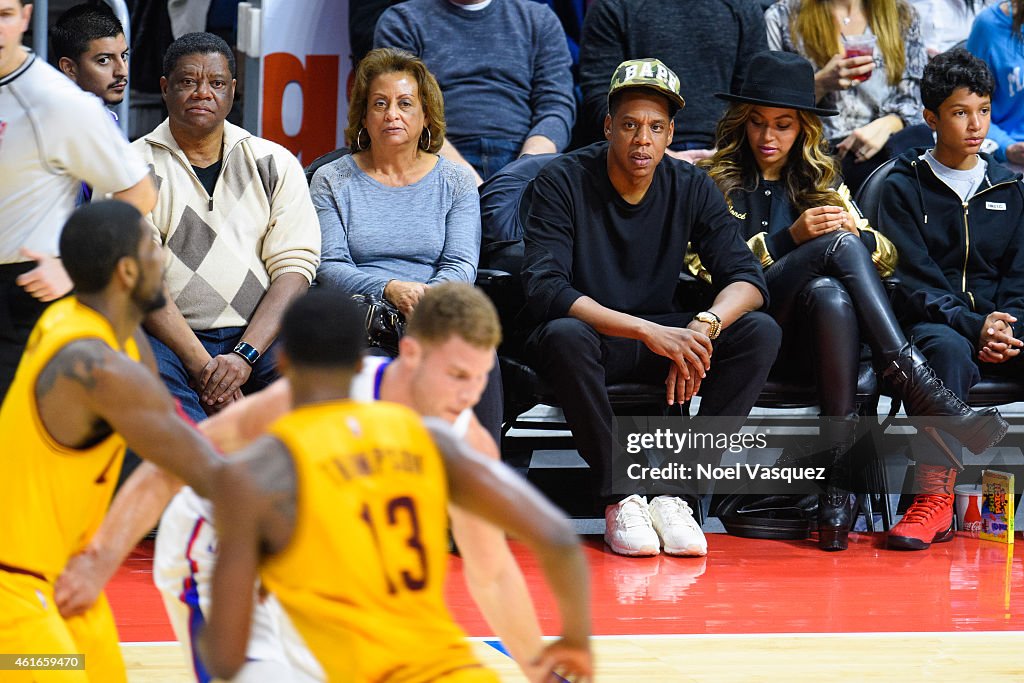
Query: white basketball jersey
x=366 y=387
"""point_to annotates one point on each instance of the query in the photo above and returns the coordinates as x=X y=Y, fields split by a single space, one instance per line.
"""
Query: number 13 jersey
x=363 y=576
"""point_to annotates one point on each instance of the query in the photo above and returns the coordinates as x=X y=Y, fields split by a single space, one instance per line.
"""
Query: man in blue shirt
x=505 y=71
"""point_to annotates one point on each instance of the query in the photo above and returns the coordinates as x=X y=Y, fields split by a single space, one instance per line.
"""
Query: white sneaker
x=628 y=529
x=680 y=534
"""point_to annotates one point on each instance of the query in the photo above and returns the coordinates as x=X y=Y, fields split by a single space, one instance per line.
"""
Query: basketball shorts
x=30 y=624
x=186 y=550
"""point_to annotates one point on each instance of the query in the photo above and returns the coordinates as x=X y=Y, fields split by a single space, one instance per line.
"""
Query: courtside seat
x=787 y=392
x=995 y=391
x=869 y=197
x=990 y=391
x=529 y=390
x=523 y=389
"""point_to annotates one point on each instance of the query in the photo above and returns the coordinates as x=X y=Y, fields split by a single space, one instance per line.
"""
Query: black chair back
x=324 y=159
x=870 y=194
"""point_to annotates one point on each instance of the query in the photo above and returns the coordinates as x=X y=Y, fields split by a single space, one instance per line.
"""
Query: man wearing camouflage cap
x=708 y=43
x=605 y=241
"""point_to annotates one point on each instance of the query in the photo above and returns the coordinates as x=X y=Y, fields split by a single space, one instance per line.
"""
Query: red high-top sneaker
x=930 y=518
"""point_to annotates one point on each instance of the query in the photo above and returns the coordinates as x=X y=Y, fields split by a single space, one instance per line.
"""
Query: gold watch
x=712 y=320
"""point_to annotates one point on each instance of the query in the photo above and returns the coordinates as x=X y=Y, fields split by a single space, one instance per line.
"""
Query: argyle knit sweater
x=224 y=251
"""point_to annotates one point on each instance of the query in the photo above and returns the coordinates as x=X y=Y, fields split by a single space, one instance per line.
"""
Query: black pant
x=954 y=359
x=19 y=312
x=491 y=406
x=826 y=333
x=824 y=294
x=578 y=363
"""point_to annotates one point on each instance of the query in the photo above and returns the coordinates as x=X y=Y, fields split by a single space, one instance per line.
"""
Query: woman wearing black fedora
x=822 y=263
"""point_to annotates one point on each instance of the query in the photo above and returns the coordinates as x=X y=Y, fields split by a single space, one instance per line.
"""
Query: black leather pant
x=825 y=294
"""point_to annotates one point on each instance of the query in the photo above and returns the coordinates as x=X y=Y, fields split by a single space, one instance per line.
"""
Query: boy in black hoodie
x=956 y=217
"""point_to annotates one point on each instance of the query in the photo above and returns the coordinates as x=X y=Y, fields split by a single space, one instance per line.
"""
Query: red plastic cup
x=860 y=46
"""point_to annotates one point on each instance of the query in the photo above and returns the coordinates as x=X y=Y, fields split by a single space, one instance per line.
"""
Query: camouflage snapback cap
x=647 y=73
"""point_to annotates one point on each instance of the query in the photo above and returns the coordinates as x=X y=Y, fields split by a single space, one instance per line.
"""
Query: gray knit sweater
x=504 y=70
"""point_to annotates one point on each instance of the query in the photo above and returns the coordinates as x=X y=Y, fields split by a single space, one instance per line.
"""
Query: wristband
x=247 y=352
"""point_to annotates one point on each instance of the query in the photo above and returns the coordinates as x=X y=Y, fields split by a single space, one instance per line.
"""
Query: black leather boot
x=924 y=395
x=933 y=406
x=837 y=504
x=835 y=518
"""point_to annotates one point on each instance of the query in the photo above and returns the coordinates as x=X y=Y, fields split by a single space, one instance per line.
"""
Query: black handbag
x=781 y=516
x=385 y=324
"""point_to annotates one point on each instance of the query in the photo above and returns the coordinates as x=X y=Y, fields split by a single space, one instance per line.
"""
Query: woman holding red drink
x=868 y=56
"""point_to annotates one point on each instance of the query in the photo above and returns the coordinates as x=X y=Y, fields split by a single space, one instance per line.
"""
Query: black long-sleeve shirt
x=583 y=239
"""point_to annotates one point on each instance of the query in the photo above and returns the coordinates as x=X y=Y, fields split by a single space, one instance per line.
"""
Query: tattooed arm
x=88 y=391
x=254 y=509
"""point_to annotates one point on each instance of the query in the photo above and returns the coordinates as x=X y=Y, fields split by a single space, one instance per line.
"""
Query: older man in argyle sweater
x=239 y=229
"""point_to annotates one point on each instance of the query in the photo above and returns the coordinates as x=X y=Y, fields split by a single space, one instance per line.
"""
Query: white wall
x=304 y=71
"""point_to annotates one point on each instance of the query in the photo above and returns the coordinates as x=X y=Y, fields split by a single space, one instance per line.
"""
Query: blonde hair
x=455 y=309
x=387 y=60
x=817 y=27
x=809 y=174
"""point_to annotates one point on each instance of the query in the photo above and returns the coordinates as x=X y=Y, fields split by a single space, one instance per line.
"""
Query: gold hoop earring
x=359 y=144
x=426 y=147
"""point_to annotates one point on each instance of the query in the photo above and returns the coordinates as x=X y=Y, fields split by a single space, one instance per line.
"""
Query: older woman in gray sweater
x=395 y=217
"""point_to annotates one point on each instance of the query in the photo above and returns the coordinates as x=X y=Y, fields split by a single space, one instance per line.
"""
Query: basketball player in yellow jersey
x=78 y=396
x=341 y=510
x=446 y=355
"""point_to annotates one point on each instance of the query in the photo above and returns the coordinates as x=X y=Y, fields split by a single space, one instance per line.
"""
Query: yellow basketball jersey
x=52 y=498
x=363 y=577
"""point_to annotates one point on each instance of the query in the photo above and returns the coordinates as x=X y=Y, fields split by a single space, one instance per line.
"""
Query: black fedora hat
x=779 y=79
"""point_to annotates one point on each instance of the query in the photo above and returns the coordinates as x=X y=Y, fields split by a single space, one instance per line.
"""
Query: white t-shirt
x=944 y=23
x=964 y=183
x=53 y=136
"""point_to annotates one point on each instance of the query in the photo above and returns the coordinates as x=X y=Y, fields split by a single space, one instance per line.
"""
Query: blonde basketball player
x=342 y=511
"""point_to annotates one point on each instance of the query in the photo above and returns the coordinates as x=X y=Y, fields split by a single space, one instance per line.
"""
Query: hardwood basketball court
x=750 y=611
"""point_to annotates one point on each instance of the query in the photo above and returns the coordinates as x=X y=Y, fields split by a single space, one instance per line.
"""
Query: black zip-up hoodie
x=958 y=261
